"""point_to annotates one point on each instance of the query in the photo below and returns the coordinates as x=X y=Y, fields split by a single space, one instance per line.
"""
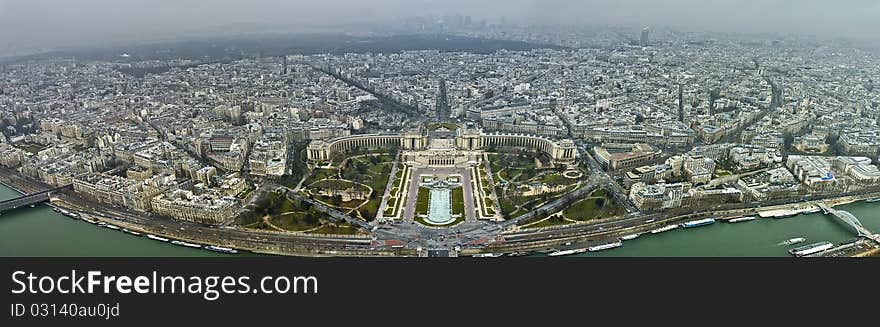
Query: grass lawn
x=289 y=214
x=503 y=175
x=319 y=174
x=294 y=221
x=32 y=148
x=592 y=208
x=371 y=209
x=398 y=181
x=554 y=179
x=422 y=201
x=289 y=181
x=332 y=184
x=331 y=200
x=507 y=206
x=374 y=171
x=436 y=126
x=344 y=229
x=457 y=201
x=390 y=205
x=487 y=206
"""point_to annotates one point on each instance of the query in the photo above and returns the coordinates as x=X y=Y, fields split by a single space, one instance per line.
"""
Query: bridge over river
x=29 y=199
x=852 y=221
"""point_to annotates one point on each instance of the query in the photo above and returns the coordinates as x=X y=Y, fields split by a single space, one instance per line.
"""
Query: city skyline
x=32 y=26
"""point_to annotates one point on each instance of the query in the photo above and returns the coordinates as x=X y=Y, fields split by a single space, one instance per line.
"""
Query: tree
x=787 y=141
x=639 y=118
x=311 y=218
x=287 y=206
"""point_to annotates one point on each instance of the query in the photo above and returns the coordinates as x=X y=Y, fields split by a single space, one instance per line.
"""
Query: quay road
x=239 y=238
x=22 y=184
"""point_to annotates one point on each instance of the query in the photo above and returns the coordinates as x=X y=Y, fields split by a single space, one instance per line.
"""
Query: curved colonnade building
x=447 y=148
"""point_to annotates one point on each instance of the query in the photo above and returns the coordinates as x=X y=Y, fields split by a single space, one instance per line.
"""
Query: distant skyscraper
x=284 y=70
x=644 y=39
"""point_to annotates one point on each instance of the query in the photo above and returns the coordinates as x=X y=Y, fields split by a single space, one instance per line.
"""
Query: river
x=756 y=238
x=40 y=232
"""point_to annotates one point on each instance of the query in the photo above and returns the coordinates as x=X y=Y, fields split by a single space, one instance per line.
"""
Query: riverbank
x=283 y=243
x=588 y=234
x=42 y=232
x=261 y=242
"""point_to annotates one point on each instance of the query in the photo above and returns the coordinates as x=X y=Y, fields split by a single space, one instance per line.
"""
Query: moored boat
x=811 y=248
x=128 y=231
x=566 y=252
x=663 y=229
x=741 y=219
x=221 y=249
x=629 y=237
x=605 y=246
x=786 y=215
x=697 y=223
x=157 y=238
x=186 y=244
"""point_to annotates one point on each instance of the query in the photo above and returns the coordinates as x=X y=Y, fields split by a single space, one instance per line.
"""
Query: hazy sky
x=26 y=24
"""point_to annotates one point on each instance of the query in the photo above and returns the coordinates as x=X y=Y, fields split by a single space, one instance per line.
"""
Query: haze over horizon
x=29 y=25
